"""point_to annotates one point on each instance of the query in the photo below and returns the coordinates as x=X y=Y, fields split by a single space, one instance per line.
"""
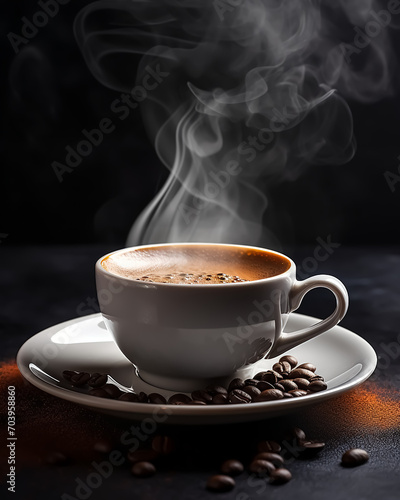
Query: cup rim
x=101 y=269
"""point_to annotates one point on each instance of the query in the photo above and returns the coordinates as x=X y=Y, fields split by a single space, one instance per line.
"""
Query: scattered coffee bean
x=220 y=483
x=112 y=390
x=280 y=476
x=301 y=373
x=317 y=385
x=232 y=467
x=251 y=381
x=237 y=396
x=99 y=393
x=220 y=399
x=202 y=395
x=311 y=447
x=97 y=380
x=236 y=383
x=354 y=457
x=143 y=397
x=289 y=359
x=163 y=445
x=252 y=391
x=270 y=446
x=143 y=469
x=261 y=468
x=80 y=379
x=144 y=455
x=302 y=383
x=308 y=366
x=269 y=456
x=269 y=395
x=156 y=398
x=129 y=396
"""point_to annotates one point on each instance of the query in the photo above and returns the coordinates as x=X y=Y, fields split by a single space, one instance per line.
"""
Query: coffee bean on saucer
x=270 y=446
x=301 y=373
x=202 y=395
x=144 y=455
x=143 y=397
x=97 y=380
x=317 y=386
x=220 y=399
x=220 y=482
x=317 y=377
x=80 y=379
x=261 y=468
x=129 y=396
x=179 y=398
x=310 y=448
x=280 y=387
x=308 y=366
x=100 y=393
x=287 y=385
x=297 y=393
x=263 y=386
x=57 y=458
x=163 y=445
x=143 y=469
x=156 y=399
x=269 y=456
x=287 y=395
x=237 y=396
x=269 y=395
x=112 y=390
x=280 y=476
x=236 y=383
x=232 y=467
x=68 y=374
x=289 y=359
x=354 y=457
x=251 y=381
x=302 y=383
x=197 y=402
x=272 y=377
x=259 y=375
x=215 y=389
x=252 y=391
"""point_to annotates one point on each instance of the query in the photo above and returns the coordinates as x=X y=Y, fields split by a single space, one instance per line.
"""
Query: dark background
x=49 y=95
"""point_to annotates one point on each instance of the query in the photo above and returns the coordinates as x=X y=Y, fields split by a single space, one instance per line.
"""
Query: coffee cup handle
x=287 y=341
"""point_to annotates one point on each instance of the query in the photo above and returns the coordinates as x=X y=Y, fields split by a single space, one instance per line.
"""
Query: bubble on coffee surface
x=183 y=278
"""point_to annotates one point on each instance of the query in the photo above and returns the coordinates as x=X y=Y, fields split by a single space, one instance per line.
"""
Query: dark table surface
x=44 y=286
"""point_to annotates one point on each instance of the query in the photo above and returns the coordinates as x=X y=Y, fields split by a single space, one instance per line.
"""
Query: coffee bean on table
x=143 y=469
x=197 y=403
x=308 y=366
x=80 y=379
x=220 y=399
x=261 y=468
x=232 y=467
x=163 y=445
x=354 y=457
x=317 y=386
x=236 y=383
x=302 y=383
x=220 y=482
x=144 y=455
x=280 y=476
x=97 y=380
x=202 y=395
x=100 y=393
x=269 y=456
x=179 y=398
x=311 y=447
x=289 y=359
x=301 y=373
x=156 y=398
x=269 y=395
x=270 y=446
x=129 y=396
x=237 y=396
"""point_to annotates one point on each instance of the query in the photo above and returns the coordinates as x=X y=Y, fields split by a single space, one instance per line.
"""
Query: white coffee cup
x=183 y=336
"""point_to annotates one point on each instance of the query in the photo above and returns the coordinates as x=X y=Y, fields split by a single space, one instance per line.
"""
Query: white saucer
x=343 y=358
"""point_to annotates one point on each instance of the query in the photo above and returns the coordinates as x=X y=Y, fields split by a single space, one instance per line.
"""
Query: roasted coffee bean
x=156 y=399
x=57 y=458
x=232 y=467
x=282 y=367
x=129 y=396
x=287 y=395
x=179 y=398
x=308 y=366
x=251 y=381
x=272 y=377
x=297 y=393
x=143 y=469
x=202 y=396
x=269 y=456
x=80 y=379
x=317 y=377
x=68 y=374
x=100 y=393
x=259 y=375
x=354 y=457
x=220 y=482
x=215 y=389
x=220 y=399
x=163 y=445
x=311 y=447
x=302 y=383
x=143 y=397
x=289 y=359
x=103 y=446
x=288 y=385
x=237 y=396
x=112 y=390
x=269 y=395
x=279 y=386
x=97 y=380
x=252 y=391
x=144 y=455
x=301 y=373
x=263 y=386
x=280 y=476
x=317 y=385
x=261 y=468
x=270 y=446
x=197 y=402
x=298 y=433
x=236 y=383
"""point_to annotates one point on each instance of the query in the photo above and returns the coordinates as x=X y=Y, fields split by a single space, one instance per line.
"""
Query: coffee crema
x=205 y=264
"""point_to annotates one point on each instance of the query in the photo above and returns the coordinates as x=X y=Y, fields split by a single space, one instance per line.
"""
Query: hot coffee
x=195 y=264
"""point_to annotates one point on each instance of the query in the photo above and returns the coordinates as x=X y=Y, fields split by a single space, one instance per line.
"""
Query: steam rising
x=253 y=92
